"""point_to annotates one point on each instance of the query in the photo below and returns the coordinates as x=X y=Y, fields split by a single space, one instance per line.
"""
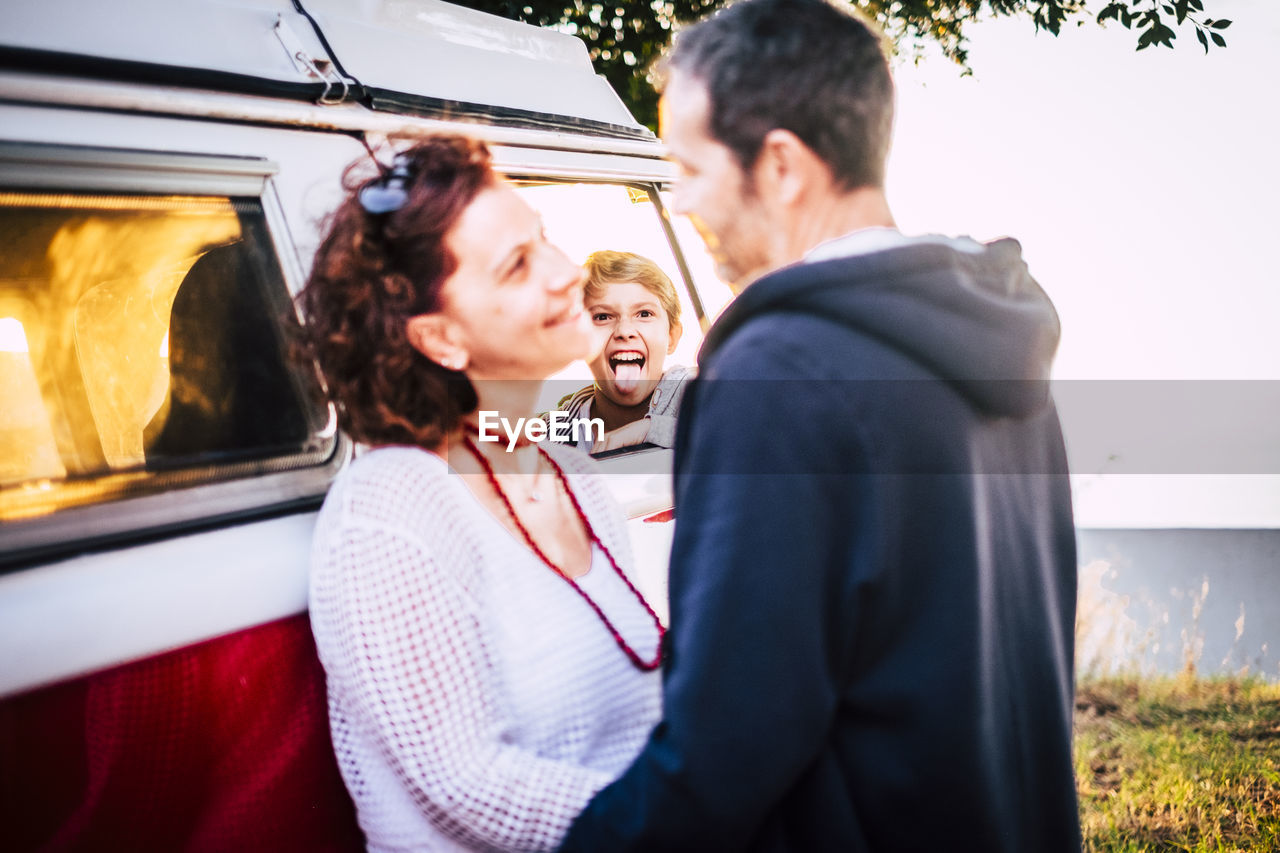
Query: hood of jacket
x=976 y=319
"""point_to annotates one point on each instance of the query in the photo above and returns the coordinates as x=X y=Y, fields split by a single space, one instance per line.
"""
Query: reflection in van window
x=139 y=335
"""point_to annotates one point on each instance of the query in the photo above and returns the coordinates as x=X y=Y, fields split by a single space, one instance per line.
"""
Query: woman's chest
x=557 y=653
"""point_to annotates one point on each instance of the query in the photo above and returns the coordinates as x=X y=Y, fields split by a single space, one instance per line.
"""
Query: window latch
x=304 y=63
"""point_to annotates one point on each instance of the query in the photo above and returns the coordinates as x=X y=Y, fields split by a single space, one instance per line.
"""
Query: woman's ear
x=676 y=331
x=436 y=337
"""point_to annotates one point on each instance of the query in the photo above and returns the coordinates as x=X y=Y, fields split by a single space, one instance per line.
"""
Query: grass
x=1178 y=764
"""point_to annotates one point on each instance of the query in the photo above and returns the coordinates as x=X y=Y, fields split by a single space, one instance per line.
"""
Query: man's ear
x=439 y=339
x=788 y=167
x=676 y=331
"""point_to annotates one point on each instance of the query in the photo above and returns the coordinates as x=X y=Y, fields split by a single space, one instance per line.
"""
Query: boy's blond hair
x=607 y=267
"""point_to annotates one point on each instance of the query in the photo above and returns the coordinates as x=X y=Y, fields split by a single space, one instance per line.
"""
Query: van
x=166 y=167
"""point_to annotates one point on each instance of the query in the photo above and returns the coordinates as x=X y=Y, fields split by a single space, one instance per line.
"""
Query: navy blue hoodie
x=873 y=577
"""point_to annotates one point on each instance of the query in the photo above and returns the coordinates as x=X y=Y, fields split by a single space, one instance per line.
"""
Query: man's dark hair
x=799 y=65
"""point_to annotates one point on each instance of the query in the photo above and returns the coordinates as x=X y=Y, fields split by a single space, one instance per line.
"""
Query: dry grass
x=1186 y=764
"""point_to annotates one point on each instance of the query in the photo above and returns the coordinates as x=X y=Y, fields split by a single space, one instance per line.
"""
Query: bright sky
x=1144 y=186
x=1145 y=190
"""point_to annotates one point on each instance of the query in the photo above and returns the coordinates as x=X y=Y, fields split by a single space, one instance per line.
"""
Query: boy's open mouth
x=627 y=367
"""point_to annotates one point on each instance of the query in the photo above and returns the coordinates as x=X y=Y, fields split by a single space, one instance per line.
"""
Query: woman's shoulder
x=398 y=500
x=394 y=485
x=390 y=465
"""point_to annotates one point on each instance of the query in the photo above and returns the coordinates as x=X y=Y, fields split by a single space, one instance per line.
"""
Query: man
x=873 y=574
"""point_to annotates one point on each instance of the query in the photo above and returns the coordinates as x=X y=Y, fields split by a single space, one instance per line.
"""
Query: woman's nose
x=565 y=273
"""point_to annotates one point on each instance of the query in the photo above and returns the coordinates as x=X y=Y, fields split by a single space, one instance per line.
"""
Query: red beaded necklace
x=639 y=662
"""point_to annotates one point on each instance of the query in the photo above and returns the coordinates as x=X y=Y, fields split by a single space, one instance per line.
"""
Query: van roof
x=419 y=57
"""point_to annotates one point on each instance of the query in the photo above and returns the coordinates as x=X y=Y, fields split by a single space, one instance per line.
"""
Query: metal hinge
x=319 y=69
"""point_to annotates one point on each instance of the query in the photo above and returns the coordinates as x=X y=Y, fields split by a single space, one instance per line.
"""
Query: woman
x=489 y=664
x=632 y=299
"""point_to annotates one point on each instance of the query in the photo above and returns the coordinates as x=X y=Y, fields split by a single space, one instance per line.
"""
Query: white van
x=165 y=169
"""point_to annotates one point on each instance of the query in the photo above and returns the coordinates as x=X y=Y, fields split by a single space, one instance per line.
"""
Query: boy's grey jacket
x=664 y=405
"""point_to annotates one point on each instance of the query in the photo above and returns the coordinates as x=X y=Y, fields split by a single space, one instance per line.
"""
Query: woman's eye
x=516 y=268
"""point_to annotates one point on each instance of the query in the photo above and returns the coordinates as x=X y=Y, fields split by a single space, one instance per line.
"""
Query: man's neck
x=828 y=216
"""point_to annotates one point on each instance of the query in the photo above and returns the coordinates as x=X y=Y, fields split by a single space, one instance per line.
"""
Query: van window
x=143 y=346
x=714 y=292
x=582 y=218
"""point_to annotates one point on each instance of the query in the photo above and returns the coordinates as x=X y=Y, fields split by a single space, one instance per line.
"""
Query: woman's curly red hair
x=371 y=274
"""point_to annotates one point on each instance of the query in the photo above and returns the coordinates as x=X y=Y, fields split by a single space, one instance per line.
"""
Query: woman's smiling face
x=515 y=300
x=641 y=336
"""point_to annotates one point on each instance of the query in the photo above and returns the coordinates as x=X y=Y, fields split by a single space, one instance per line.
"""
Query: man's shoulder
x=770 y=384
x=394 y=487
x=782 y=344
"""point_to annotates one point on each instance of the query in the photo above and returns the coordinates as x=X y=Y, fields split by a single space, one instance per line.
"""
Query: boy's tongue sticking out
x=628 y=377
x=628 y=369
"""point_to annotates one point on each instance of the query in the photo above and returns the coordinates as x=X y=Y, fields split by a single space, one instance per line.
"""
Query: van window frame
x=653 y=189
x=173 y=508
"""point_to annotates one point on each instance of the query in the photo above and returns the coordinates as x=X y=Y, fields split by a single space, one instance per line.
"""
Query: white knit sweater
x=476 y=701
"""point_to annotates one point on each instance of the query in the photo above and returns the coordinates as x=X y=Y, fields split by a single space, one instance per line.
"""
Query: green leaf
x=625 y=53
x=1218 y=40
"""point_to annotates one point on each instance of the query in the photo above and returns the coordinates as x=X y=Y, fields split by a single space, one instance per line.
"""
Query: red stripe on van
x=222 y=745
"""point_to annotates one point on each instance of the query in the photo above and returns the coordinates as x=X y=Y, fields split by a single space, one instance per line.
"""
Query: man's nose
x=624 y=329
x=679 y=198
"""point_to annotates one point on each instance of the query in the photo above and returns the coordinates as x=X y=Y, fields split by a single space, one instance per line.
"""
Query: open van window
x=143 y=347
x=583 y=218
